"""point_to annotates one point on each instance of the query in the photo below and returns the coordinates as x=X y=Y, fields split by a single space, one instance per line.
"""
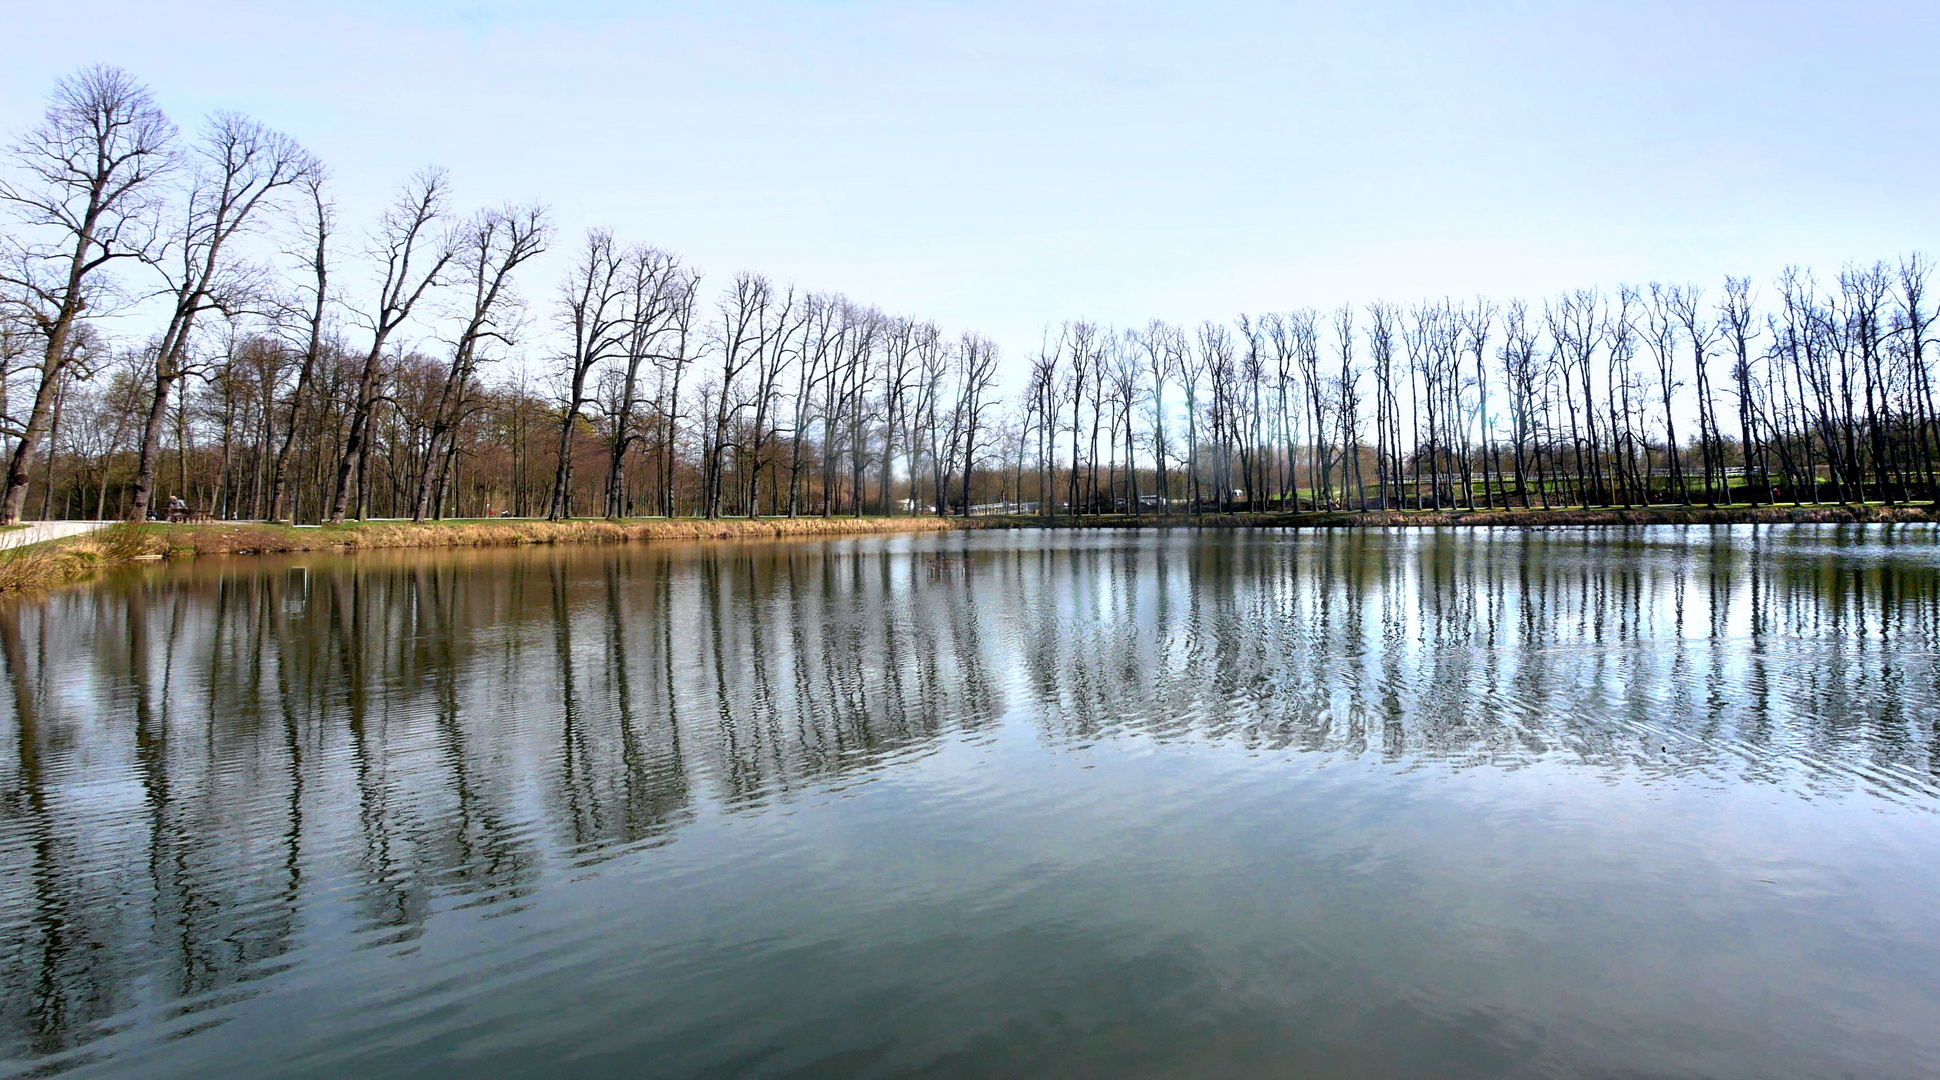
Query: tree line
x=1659 y=394
x=271 y=389
x=186 y=317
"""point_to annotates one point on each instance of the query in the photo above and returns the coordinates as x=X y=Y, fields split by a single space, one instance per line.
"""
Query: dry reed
x=255 y=539
x=39 y=566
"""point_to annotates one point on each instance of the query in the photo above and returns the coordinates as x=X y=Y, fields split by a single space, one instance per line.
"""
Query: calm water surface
x=1650 y=802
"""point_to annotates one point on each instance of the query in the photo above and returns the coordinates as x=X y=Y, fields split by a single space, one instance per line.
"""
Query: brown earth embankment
x=47 y=565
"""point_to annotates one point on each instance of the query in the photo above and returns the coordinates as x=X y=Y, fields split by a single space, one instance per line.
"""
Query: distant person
x=177 y=509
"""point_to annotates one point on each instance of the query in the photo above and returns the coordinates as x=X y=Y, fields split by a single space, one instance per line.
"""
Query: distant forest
x=185 y=316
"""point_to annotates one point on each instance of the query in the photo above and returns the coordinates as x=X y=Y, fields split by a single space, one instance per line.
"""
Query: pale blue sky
x=1002 y=166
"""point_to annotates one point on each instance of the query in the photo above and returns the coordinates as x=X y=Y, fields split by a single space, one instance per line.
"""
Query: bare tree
x=1163 y=346
x=921 y=398
x=1128 y=389
x=1217 y=360
x=902 y=346
x=1576 y=324
x=1476 y=324
x=486 y=251
x=1383 y=321
x=1522 y=371
x=239 y=166
x=821 y=341
x=1737 y=321
x=973 y=399
x=936 y=360
x=593 y=308
x=657 y=288
x=776 y=349
x=412 y=261
x=309 y=312
x=1303 y=328
x=1914 y=322
x=676 y=355
x=1702 y=334
x=1081 y=346
x=90 y=176
x=1044 y=392
x=741 y=338
x=1660 y=330
x=1348 y=404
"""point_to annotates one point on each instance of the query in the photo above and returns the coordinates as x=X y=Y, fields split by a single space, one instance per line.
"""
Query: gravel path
x=36 y=531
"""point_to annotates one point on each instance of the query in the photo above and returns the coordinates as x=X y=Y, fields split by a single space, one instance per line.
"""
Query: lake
x=1456 y=803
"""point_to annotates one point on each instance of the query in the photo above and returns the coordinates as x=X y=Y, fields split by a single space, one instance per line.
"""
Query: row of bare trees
x=181 y=318
x=1655 y=394
x=266 y=387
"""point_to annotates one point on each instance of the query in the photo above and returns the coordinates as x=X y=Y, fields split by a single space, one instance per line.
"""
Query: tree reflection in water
x=216 y=770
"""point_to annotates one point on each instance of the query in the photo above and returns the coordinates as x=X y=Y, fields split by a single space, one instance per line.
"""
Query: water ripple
x=228 y=781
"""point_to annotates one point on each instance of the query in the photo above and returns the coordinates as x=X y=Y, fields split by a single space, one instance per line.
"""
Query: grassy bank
x=53 y=563
x=1561 y=516
x=57 y=562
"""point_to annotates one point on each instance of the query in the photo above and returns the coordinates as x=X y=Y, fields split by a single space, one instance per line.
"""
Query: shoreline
x=1559 y=517
x=256 y=538
x=54 y=563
